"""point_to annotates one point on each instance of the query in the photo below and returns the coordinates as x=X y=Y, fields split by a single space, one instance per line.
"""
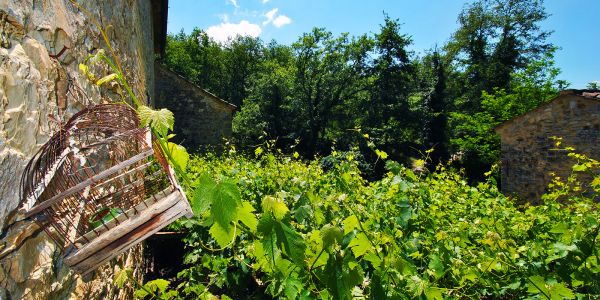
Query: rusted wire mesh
x=97 y=171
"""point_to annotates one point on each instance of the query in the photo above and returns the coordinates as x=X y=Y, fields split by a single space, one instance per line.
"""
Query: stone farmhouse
x=529 y=157
x=201 y=118
x=42 y=44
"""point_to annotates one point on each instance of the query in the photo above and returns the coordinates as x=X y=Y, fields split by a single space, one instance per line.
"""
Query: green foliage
x=106 y=79
x=156 y=288
x=160 y=120
x=474 y=132
x=179 y=155
x=302 y=233
x=496 y=38
x=325 y=91
x=220 y=203
x=224 y=69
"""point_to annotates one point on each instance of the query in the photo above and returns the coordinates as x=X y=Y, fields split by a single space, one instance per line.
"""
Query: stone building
x=528 y=150
x=201 y=118
x=42 y=44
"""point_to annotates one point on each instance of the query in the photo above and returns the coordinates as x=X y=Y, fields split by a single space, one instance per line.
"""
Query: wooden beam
x=124 y=228
x=132 y=238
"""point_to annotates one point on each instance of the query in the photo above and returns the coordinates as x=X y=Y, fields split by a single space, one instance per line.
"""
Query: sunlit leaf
x=122 y=277
x=225 y=201
x=246 y=215
x=275 y=206
x=160 y=120
x=360 y=244
x=222 y=234
x=106 y=79
x=157 y=285
x=350 y=223
x=203 y=194
x=331 y=235
x=179 y=155
x=258 y=151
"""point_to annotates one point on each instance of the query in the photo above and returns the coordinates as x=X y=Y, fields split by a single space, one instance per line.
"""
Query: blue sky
x=429 y=22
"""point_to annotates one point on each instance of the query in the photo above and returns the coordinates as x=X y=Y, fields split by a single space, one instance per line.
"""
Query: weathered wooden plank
x=132 y=238
x=36 y=209
x=142 y=206
x=124 y=228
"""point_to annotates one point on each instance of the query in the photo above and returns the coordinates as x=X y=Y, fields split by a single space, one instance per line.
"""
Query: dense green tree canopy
x=355 y=93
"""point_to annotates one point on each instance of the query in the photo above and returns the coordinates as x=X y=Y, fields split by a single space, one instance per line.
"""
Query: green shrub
x=275 y=226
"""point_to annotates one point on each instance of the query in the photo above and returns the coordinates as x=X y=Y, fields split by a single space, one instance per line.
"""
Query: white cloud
x=270 y=16
x=225 y=31
x=265 y=1
x=234 y=3
x=281 y=21
x=277 y=20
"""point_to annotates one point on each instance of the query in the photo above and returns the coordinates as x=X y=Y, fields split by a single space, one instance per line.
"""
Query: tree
x=390 y=120
x=329 y=73
x=495 y=39
x=265 y=111
x=223 y=69
x=474 y=134
x=436 y=107
x=242 y=57
x=198 y=58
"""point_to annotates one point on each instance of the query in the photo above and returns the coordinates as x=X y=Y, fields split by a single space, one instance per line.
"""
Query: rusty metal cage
x=100 y=185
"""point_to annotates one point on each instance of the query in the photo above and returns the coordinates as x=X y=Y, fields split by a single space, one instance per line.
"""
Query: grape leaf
x=223 y=235
x=246 y=215
x=269 y=238
x=179 y=155
x=275 y=206
x=374 y=259
x=537 y=285
x=279 y=237
x=558 y=292
x=360 y=244
x=160 y=120
x=350 y=223
x=341 y=279
x=434 y=293
x=561 y=227
x=203 y=194
x=292 y=287
x=381 y=154
x=157 y=285
x=331 y=235
x=140 y=294
x=122 y=277
x=292 y=242
x=436 y=265
x=225 y=201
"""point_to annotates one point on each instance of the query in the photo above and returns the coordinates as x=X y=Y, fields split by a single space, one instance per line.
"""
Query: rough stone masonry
x=203 y=119
x=41 y=45
x=529 y=158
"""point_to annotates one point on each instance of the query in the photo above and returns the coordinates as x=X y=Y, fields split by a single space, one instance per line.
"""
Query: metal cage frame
x=100 y=185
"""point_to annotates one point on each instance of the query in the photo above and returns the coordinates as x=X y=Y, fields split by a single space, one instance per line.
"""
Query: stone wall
x=42 y=43
x=201 y=118
x=529 y=157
